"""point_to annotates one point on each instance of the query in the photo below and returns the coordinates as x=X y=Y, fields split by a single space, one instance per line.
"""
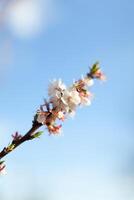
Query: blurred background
x=45 y=39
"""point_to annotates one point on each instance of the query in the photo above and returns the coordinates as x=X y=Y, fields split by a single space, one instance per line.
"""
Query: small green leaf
x=10 y=147
x=95 y=67
x=37 y=134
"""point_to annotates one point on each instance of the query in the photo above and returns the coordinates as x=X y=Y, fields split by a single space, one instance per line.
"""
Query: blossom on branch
x=63 y=101
x=56 y=88
x=95 y=72
x=54 y=129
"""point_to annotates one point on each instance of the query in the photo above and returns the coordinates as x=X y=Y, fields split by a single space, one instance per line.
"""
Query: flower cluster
x=63 y=101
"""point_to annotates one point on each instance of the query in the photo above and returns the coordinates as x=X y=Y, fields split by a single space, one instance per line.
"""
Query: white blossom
x=60 y=115
x=56 y=88
x=85 y=101
x=89 y=82
x=86 y=98
x=41 y=118
x=72 y=99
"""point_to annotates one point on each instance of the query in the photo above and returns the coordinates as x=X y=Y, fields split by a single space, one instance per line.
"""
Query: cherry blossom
x=2 y=168
x=64 y=101
x=56 y=88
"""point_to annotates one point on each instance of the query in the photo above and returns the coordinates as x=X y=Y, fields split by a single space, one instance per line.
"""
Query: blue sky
x=94 y=157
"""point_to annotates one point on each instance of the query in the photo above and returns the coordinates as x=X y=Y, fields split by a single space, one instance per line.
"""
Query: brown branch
x=26 y=137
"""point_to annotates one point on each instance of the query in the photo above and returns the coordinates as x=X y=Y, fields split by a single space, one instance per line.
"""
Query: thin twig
x=26 y=137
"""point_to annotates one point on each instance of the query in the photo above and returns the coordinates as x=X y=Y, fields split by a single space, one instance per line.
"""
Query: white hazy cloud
x=26 y=18
x=23 y=19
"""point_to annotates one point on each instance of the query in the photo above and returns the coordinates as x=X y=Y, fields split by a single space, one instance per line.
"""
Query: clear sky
x=94 y=157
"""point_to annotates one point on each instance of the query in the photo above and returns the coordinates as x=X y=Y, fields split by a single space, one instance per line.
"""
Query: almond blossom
x=56 y=88
x=64 y=101
x=41 y=117
x=60 y=115
x=53 y=129
x=72 y=100
x=98 y=74
x=88 y=82
x=95 y=72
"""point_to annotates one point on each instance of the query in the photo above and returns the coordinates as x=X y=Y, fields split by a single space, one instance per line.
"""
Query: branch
x=15 y=143
x=63 y=102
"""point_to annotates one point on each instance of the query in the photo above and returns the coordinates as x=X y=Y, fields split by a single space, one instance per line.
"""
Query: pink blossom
x=53 y=129
x=41 y=117
x=2 y=169
x=63 y=101
x=100 y=75
x=56 y=88
x=16 y=136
